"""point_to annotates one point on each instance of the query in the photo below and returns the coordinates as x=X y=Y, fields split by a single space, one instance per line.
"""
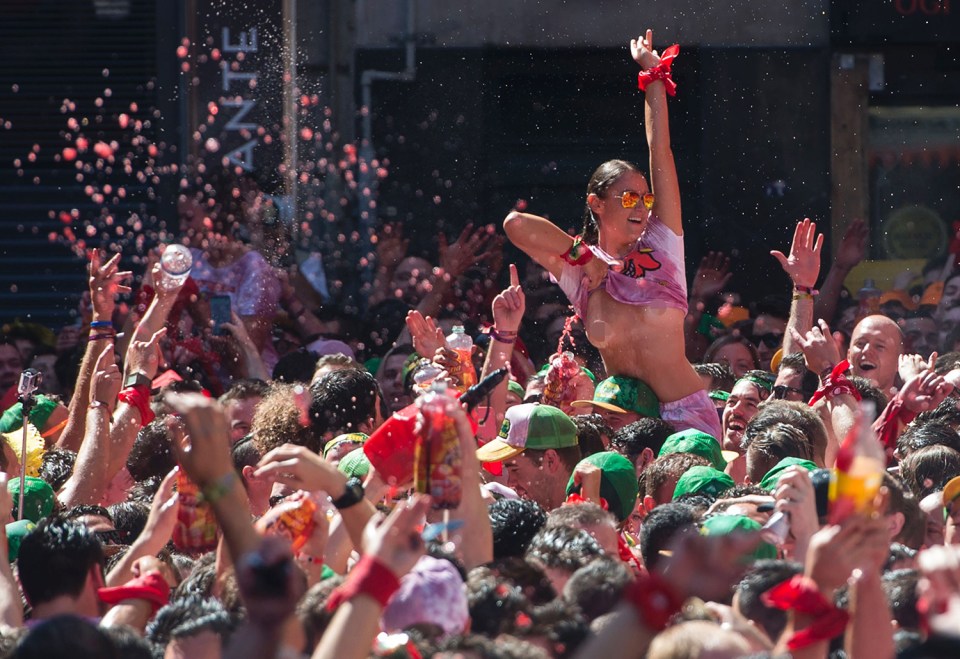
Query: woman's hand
x=642 y=51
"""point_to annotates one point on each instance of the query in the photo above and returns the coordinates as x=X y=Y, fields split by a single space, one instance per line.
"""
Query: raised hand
x=396 y=542
x=912 y=365
x=106 y=379
x=509 y=305
x=302 y=469
x=204 y=450
x=472 y=247
x=853 y=245
x=426 y=336
x=924 y=391
x=641 y=49
x=820 y=350
x=803 y=264
x=711 y=276
x=144 y=356
x=105 y=283
x=391 y=246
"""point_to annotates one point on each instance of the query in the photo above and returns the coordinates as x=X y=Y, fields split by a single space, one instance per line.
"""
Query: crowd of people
x=228 y=465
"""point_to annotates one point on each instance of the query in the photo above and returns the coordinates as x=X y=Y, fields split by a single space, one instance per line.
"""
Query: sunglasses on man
x=630 y=199
x=769 y=339
x=781 y=390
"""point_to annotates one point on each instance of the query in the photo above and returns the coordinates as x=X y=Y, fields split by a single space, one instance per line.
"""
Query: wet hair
x=186 y=617
x=792 y=413
x=526 y=576
x=869 y=391
x=633 y=438
x=773 y=444
x=55 y=559
x=514 y=523
x=946 y=362
x=56 y=466
x=916 y=436
x=903 y=502
x=494 y=603
x=810 y=381
x=721 y=377
x=590 y=429
x=661 y=526
x=946 y=412
x=563 y=548
x=66 y=636
x=559 y=625
x=129 y=519
x=598 y=586
x=600 y=182
x=200 y=581
x=244 y=454
x=343 y=400
x=152 y=452
x=900 y=587
x=244 y=389
x=762 y=576
x=928 y=469
x=83 y=509
x=129 y=644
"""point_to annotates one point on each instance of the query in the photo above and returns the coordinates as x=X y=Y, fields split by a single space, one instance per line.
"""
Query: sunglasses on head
x=769 y=339
x=630 y=199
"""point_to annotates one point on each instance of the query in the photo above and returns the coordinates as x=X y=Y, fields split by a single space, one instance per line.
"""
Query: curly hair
x=277 y=422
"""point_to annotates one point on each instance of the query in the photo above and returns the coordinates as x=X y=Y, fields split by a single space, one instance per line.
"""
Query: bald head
x=875 y=349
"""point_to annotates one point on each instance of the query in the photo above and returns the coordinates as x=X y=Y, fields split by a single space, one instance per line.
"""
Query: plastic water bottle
x=424 y=375
x=461 y=343
x=176 y=263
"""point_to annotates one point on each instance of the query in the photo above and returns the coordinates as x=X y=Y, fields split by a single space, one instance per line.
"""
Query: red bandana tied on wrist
x=139 y=397
x=835 y=384
x=151 y=587
x=801 y=594
x=661 y=72
x=368 y=577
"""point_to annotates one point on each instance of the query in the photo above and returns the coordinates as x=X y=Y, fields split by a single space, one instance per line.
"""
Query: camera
x=30 y=381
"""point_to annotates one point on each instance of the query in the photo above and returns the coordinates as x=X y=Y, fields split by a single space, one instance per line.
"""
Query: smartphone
x=220 y=313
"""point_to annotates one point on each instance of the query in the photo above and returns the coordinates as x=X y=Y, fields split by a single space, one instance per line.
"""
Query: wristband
x=835 y=384
x=661 y=72
x=99 y=337
x=578 y=254
x=368 y=577
x=654 y=600
x=502 y=337
x=98 y=324
x=138 y=397
x=805 y=290
x=801 y=594
x=219 y=488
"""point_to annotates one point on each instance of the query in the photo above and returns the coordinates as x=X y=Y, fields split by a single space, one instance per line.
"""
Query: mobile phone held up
x=220 y=313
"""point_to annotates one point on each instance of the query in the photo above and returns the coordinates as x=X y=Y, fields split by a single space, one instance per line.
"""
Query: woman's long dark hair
x=604 y=176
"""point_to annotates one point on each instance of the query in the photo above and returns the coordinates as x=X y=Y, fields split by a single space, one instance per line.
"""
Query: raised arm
x=539 y=238
x=803 y=268
x=663 y=170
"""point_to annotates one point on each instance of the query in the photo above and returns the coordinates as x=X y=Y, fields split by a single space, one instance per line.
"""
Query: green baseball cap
x=355 y=464
x=529 y=425
x=516 y=389
x=38 y=498
x=702 y=480
x=16 y=532
x=623 y=394
x=618 y=482
x=357 y=438
x=697 y=442
x=770 y=479
x=727 y=524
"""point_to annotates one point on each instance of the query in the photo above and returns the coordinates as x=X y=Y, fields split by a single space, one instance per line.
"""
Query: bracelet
x=508 y=338
x=655 y=601
x=97 y=405
x=806 y=290
x=800 y=594
x=368 y=577
x=100 y=337
x=310 y=560
x=101 y=323
x=219 y=488
x=138 y=396
x=578 y=254
x=661 y=72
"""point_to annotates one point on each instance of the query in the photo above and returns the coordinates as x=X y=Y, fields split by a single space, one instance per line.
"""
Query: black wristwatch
x=351 y=496
x=137 y=379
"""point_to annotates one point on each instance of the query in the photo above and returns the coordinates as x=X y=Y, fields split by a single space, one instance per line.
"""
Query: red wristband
x=368 y=577
x=654 y=600
x=661 y=72
x=578 y=254
x=801 y=594
x=138 y=397
x=835 y=384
